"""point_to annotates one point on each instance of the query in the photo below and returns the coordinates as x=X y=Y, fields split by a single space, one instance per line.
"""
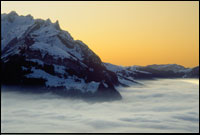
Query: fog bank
x=167 y=105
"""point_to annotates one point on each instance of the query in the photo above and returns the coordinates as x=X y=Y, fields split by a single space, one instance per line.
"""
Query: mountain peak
x=13 y=13
x=48 y=57
x=48 y=20
x=10 y=16
x=57 y=26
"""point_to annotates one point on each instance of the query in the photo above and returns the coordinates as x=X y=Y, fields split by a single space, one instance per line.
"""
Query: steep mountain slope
x=38 y=53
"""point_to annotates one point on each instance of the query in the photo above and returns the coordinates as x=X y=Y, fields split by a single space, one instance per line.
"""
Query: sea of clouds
x=166 y=105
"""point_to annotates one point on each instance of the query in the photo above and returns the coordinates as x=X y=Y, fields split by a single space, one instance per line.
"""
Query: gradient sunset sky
x=126 y=33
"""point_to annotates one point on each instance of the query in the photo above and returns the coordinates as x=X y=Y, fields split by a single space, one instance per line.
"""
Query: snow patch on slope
x=39 y=62
x=53 y=50
x=13 y=26
x=69 y=83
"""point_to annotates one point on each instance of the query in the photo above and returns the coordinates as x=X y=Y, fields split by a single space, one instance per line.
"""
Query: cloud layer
x=158 y=106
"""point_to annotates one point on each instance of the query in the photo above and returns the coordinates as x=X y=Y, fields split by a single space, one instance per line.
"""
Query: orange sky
x=126 y=33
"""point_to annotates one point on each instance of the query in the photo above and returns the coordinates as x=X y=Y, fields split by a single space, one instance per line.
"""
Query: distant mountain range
x=128 y=75
x=37 y=53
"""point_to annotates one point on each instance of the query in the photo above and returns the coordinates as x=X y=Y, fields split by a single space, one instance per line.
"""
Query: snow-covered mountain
x=129 y=75
x=126 y=75
x=36 y=52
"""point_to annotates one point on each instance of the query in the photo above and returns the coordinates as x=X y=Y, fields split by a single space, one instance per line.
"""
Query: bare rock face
x=38 y=53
